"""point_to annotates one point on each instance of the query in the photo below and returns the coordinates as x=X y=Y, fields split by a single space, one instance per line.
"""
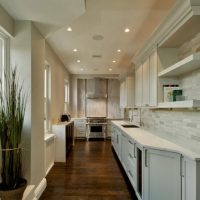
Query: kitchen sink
x=129 y=126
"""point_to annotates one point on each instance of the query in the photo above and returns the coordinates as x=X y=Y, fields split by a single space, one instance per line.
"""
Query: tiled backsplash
x=179 y=126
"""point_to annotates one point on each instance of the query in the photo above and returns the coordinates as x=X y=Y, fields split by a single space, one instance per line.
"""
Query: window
x=4 y=53
x=66 y=102
x=47 y=98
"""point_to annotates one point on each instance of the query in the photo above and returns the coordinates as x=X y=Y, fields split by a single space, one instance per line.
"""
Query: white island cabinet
x=64 y=133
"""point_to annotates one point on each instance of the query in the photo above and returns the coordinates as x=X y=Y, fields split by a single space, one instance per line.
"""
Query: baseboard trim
x=29 y=193
x=49 y=168
x=40 y=188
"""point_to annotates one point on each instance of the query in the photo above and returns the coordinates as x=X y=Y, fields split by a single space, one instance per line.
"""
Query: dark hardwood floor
x=90 y=173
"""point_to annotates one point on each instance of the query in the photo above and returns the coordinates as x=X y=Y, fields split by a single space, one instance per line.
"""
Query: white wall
x=21 y=57
x=58 y=74
x=27 y=52
x=37 y=106
x=6 y=22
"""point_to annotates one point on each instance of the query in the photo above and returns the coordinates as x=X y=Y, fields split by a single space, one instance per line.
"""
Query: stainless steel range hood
x=96 y=88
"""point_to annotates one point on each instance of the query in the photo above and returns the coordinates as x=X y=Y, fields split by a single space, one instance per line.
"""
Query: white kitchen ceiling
x=97 y=29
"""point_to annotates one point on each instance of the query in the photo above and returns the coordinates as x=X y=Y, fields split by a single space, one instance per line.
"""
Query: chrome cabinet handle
x=130 y=173
x=182 y=166
x=135 y=150
x=130 y=142
x=130 y=155
x=145 y=152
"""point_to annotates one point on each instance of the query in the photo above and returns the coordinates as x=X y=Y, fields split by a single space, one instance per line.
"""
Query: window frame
x=47 y=98
x=66 y=99
x=5 y=65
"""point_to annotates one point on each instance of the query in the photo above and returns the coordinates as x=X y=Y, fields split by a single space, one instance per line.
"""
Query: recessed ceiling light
x=114 y=61
x=69 y=29
x=126 y=30
x=78 y=61
x=81 y=69
x=118 y=50
x=75 y=50
x=110 y=69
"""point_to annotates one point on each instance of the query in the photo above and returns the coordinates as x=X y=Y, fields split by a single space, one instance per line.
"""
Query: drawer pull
x=130 y=142
x=146 y=164
x=130 y=155
x=130 y=173
x=135 y=150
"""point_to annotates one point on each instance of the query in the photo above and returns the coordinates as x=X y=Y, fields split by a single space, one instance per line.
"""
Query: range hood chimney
x=96 y=88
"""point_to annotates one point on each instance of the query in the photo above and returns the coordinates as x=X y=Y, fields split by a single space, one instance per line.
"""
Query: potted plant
x=12 y=110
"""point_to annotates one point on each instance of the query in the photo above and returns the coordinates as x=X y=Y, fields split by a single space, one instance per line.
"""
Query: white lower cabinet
x=80 y=128
x=162 y=175
x=156 y=174
x=190 y=179
x=118 y=144
x=132 y=163
x=124 y=151
x=116 y=141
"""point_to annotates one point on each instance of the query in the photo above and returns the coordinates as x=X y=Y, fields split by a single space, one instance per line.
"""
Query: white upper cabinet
x=146 y=82
x=138 y=86
x=177 y=55
x=127 y=92
x=153 y=80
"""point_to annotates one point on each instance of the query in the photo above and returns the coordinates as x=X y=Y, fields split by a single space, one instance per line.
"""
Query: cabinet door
x=80 y=128
x=124 y=151
x=153 y=79
x=145 y=83
x=130 y=92
x=132 y=163
x=118 y=143
x=138 y=86
x=162 y=180
x=122 y=94
x=189 y=186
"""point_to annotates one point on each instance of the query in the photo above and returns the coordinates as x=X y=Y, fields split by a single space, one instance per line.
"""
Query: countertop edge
x=169 y=146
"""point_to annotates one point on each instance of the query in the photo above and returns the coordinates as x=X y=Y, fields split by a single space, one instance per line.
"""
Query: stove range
x=96 y=127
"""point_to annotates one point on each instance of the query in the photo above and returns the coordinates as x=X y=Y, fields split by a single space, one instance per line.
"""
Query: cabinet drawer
x=132 y=171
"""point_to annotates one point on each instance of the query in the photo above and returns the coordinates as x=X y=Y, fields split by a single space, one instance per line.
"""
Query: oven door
x=96 y=129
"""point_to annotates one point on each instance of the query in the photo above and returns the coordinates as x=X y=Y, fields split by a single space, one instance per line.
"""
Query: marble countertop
x=63 y=123
x=149 y=140
x=49 y=136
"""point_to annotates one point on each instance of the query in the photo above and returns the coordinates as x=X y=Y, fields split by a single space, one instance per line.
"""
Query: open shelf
x=186 y=65
x=180 y=104
x=183 y=31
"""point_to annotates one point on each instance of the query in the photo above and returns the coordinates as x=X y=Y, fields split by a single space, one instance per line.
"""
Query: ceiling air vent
x=97 y=37
x=97 y=56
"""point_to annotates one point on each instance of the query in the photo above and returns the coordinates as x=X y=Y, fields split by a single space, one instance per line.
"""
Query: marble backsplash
x=179 y=126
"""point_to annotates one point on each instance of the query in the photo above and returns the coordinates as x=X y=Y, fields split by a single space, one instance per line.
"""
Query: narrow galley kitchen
x=113 y=99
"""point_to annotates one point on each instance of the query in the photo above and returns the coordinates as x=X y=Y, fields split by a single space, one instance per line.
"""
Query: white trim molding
x=180 y=13
x=40 y=188
x=29 y=193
